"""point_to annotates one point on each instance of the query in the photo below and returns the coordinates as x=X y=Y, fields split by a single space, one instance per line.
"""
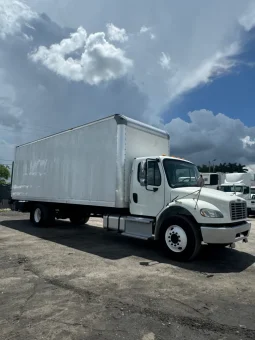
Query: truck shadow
x=110 y=245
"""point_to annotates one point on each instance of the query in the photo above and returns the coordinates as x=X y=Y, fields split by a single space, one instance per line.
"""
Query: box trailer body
x=88 y=165
x=120 y=169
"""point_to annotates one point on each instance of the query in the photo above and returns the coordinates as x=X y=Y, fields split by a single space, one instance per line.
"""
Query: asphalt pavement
x=68 y=282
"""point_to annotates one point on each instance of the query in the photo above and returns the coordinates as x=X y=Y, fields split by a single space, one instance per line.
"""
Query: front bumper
x=226 y=234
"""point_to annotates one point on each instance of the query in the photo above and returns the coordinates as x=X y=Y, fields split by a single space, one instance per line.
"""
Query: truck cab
x=154 y=181
x=182 y=215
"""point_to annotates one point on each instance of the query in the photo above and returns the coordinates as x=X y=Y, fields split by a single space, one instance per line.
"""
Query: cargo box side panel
x=142 y=143
x=77 y=166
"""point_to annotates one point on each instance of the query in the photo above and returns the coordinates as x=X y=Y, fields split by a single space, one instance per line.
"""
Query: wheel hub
x=37 y=215
x=176 y=238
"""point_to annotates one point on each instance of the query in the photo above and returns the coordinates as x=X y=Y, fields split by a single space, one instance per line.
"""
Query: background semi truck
x=213 y=179
x=240 y=184
x=120 y=169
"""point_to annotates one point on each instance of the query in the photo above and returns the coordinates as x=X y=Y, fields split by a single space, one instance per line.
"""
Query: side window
x=246 y=190
x=214 y=179
x=153 y=176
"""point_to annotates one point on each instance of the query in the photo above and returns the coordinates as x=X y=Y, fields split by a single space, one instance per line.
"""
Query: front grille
x=238 y=210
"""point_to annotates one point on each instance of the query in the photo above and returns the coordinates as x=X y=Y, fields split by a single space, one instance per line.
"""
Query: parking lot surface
x=68 y=282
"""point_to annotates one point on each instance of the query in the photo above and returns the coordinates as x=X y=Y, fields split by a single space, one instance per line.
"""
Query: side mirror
x=143 y=182
x=146 y=173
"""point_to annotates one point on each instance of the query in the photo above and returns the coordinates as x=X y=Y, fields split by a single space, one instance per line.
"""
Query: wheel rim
x=37 y=215
x=176 y=239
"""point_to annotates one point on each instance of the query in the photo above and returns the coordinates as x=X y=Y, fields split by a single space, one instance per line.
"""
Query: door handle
x=135 y=198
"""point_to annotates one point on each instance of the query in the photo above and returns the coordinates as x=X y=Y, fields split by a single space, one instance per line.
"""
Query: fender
x=184 y=207
x=170 y=211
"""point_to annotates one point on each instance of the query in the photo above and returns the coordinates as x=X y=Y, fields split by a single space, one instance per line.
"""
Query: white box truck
x=120 y=169
x=212 y=180
x=240 y=184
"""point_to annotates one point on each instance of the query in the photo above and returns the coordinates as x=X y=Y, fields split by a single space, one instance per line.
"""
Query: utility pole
x=212 y=163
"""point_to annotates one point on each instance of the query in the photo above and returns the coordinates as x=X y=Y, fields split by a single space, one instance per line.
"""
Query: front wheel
x=180 y=239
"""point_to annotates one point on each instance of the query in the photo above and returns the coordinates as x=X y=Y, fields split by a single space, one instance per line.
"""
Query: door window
x=153 y=174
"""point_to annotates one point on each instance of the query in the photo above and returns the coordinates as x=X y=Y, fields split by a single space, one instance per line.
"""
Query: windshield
x=253 y=191
x=231 y=188
x=180 y=174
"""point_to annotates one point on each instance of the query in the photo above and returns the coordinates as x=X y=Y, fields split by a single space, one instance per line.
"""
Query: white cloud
x=145 y=29
x=185 y=80
x=206 y=136
x=13 y=14
x=6 y=151
x=36 y=102
x=100 y=60
x=247 y=20
x=165 y=61
x=116 y=34
x=28 y=37
x=247 y=141
x=197 y=55
x=10 y=113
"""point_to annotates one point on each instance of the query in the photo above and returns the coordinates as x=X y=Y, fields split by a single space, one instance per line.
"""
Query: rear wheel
x=41 y=215
x=180 y=239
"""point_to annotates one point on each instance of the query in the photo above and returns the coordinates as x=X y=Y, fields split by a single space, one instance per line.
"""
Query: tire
x=248 y=212
x=41 y=215
x=180 y=239
x=77 y=220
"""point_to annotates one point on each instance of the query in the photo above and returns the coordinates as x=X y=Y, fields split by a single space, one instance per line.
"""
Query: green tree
x=223 y=167
x=4 y=173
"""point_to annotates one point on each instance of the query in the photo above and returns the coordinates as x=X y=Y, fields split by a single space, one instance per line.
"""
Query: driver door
x=147 y=199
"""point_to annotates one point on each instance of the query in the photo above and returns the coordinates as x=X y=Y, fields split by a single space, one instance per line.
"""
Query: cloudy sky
x=186 y=66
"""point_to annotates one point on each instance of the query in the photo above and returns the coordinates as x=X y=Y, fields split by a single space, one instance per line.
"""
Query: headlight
x=211 y=213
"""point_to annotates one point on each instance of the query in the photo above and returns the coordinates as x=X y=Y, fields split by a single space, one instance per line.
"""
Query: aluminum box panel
x=87 y=165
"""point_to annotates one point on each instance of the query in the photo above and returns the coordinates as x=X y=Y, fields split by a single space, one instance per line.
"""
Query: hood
x=206 y=194
x=235 y=194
